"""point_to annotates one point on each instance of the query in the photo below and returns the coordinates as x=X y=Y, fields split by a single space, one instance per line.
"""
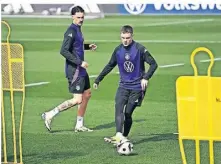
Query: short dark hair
x=76 y=9
x=126 y=29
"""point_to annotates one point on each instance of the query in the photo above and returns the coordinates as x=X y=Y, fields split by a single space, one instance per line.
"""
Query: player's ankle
x=125 y=135
x=119 y=134
x=79 y=122
x=53 y=113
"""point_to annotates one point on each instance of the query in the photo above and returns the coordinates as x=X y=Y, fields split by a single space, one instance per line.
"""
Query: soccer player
x=130 y=56
x=79 y=85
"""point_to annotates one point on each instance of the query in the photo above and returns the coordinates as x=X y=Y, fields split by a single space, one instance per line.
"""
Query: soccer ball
x=124 y=147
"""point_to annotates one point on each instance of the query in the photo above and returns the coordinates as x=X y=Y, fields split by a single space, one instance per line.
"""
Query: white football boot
x=47 y=120
x=82 y=129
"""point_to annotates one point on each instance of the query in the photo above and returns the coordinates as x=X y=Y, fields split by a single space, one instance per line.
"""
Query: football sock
x=119 y=134
x=80 y=121
x=53 y=112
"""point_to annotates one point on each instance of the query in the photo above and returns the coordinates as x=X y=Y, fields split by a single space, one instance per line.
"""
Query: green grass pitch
x=170 y=39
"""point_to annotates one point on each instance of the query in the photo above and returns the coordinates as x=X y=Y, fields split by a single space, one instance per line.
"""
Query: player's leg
x=135 y=99
x=81 y=112
x=128 y=118
x=121 y=99
x=48 y=116
x=77 y=99
x=83 y=106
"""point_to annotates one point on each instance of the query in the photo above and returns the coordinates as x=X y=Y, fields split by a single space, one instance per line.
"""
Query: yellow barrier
x=12 y=59
x=199 y=108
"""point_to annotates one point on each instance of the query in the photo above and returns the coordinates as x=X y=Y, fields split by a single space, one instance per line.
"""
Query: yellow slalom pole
x=211 y=149
x=11 y=92
x=3 y=130
x=22 y=112
x=182 y=151
x=197 y=143
x=20 y=128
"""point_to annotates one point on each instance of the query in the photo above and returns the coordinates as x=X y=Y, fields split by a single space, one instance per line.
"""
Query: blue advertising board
x=170 y=8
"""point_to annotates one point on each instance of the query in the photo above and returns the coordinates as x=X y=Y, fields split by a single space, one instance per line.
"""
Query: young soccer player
x=79 y=85
x=130 y=56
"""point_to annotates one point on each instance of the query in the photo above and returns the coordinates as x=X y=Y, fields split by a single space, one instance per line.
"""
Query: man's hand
x=93 y=47
x=95 y=86
x=144 y=83
x=84 y=64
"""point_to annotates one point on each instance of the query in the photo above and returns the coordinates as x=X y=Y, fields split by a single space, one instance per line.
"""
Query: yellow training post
x=12 y=66
x=199 y=108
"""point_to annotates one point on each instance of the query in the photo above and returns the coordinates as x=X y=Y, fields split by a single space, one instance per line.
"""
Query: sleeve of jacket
x=86 y=46
x=148 y=58
x=67 y=47
x=107 y=69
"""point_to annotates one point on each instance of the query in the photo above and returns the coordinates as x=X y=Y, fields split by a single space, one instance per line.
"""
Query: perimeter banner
x=99 y=10
x=170 y=8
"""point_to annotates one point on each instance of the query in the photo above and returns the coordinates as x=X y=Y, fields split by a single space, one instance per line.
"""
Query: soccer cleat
x=47 y=121
x=114 y=140
x=82 y=129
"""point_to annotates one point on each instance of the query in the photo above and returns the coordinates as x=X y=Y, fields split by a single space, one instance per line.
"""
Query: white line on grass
x=36 y=84
x=162 y=66
x=208 y=60
x=162 y=41
x=118 y=41
x=120 y=24
x=179 y=22
x=171 y=65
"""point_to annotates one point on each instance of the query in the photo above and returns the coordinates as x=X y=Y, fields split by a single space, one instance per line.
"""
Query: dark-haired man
x=75 y=69
x=130 y=56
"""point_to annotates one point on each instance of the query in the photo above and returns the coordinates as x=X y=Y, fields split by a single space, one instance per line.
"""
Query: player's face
x=126 y=38
x=78 y=18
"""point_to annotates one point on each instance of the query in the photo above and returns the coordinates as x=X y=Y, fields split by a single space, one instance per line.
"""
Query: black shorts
x=79 y=85
x=129 y=96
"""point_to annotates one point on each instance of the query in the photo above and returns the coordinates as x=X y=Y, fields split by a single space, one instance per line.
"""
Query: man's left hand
x=144 y=83
x=93 y=47
x=95 y=86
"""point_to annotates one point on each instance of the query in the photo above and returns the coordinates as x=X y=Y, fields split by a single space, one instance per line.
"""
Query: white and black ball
x=125 y=147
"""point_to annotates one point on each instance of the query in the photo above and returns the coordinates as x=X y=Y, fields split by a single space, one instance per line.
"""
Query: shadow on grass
x=99 y=127
x=42 y=156
x=112 y=124
x=132 y=154
x=158 y=137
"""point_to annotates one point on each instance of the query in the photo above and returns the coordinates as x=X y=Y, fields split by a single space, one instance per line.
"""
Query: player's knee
x=129 y=110
x=119 y=108
x=87 y=95
x=119 y=102
x=77 y=100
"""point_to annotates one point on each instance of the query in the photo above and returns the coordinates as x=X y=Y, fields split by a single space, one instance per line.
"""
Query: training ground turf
x=170 y=39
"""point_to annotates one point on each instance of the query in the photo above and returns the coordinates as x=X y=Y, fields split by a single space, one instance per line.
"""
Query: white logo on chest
x=127 y=56
x=128 y=66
